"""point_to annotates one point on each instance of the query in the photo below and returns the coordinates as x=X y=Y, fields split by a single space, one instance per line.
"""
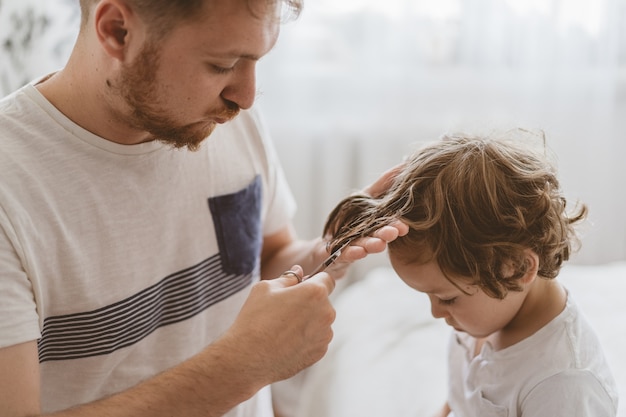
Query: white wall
x=348 y=91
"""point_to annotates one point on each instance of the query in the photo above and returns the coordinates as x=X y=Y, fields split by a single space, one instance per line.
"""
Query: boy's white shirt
x=558 y=371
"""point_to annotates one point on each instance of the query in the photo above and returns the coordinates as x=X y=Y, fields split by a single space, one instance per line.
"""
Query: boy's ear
x=112 y=21
x=532 y=261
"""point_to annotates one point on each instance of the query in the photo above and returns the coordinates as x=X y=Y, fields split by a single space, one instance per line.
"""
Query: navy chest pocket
x=237 y=221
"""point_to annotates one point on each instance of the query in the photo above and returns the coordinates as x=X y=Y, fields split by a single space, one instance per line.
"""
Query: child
x=488 y=234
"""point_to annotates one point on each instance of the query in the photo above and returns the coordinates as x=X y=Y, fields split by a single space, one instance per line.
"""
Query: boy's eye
x=448 y=301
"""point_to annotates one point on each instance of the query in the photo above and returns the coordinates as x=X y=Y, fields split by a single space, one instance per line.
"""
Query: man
x=129 y=271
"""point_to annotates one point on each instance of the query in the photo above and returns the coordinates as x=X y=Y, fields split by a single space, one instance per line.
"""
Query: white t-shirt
x=125 y=260
x=558 y=371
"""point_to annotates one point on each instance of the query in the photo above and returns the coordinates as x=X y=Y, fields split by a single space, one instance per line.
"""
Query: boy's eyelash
x=447 y=302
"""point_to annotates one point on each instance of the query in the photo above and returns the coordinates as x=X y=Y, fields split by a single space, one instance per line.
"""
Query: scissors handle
x=328 y=261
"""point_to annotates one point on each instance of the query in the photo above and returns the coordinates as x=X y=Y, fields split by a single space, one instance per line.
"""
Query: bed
x=388 y=354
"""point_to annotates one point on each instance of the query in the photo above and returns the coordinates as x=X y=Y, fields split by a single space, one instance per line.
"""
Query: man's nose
x=242 y=88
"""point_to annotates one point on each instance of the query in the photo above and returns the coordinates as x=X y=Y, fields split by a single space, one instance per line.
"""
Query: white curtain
x=353 y=84
x=36 y=37
x=387 y=74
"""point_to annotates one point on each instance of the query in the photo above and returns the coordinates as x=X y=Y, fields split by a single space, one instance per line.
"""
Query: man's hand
x=367 y=245
x=374 y=242
x=384 y=182
x=284 y=325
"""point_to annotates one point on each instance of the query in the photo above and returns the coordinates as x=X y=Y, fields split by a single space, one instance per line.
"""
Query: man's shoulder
x=17 y=108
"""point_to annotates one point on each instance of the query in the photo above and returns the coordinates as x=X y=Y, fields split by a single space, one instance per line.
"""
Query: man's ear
x=532 y=262
x=112 y=23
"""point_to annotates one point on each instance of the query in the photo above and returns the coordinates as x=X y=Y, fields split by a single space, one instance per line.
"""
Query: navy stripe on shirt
x=177 y=297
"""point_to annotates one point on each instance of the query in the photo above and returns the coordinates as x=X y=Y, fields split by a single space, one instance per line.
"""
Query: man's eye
x=448 y=301
x=221 y=70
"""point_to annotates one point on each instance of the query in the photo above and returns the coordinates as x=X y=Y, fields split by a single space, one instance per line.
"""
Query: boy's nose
x=436 y=309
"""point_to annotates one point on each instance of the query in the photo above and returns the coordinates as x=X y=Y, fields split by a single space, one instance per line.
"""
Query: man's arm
x=281 y=329
x=19 y=380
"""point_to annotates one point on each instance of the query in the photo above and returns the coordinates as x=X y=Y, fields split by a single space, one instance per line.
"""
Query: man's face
x=178 y=89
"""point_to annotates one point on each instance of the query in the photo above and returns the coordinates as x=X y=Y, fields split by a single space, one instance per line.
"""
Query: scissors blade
x=329 y=261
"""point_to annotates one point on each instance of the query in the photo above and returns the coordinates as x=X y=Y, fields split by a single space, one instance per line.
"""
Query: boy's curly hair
x=475 y=205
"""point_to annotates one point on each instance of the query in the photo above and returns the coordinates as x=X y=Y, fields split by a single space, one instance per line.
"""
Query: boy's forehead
x=426 y=277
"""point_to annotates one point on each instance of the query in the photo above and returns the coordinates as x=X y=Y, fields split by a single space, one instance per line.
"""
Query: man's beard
x=138 y=85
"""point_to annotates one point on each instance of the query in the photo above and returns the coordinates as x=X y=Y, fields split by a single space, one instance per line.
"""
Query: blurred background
x=352 y=86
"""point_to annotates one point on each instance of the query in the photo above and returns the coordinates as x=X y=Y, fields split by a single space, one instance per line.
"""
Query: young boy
x=488 y=233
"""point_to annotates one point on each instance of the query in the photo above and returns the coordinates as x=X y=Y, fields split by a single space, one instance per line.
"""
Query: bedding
x=388 y=354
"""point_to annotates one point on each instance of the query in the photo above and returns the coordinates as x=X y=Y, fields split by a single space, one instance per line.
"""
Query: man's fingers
x=392 y=231
x=383 y=183
x=322 y=278
x=376 y=243
x=291 y=273
x=295 y=276
x=291 y=277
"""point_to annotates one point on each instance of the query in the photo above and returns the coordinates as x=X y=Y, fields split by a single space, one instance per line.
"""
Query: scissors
x=328 y=261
